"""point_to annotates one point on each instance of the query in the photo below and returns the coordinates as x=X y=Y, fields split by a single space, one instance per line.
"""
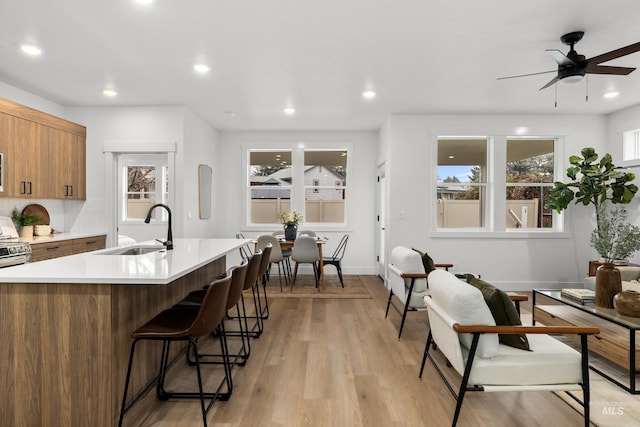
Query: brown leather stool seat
x=183 y=324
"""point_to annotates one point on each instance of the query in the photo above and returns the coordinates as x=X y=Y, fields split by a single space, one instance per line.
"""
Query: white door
x=381 y=220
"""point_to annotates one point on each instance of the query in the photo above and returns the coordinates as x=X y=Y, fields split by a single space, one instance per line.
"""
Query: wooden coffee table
x=616 y=341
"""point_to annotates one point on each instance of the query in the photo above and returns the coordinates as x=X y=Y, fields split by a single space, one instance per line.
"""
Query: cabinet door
x=27 y=163
x=7 y=173
x=67 y=165
x=79 y=168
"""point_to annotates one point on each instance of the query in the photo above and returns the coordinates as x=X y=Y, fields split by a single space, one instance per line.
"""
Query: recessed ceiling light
x=369 y=94
x=109 y=93
x=144 y=1
x=289 y=111
x=31 y=50
x=201 y=68
x=452 y=157
x=610 y=95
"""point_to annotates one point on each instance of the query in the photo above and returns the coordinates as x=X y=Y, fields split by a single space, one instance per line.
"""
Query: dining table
x=287 y=244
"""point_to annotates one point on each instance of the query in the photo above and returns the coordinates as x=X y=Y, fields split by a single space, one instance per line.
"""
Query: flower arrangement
x=614 y=238
x=290 y=218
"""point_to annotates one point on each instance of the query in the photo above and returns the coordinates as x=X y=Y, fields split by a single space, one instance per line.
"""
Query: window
x=631 y=145
x=482 y=178
x=462 y=182
x=144 y=180
x=325 y=179
x=270 y=181
x=529 y=177
x=310 y=181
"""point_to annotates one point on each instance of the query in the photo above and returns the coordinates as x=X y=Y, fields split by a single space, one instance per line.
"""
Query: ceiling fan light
x=572 y=79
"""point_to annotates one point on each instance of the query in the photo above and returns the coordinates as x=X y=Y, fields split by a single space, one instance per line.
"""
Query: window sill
x=485 y=234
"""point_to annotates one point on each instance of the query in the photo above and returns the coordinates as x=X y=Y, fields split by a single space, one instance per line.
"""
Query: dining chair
x=245 y=250
x=336 y=258
x=286 y=254
x=305 y=250
x=276 y=254
x=307 y=233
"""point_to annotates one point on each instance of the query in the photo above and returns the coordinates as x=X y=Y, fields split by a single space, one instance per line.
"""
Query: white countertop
x=58 y=237
x=161 y=267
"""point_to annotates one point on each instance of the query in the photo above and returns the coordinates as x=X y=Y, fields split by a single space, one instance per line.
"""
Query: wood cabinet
x=44 y=157
x=60 y=248
x=89 y=244
x=67 y=159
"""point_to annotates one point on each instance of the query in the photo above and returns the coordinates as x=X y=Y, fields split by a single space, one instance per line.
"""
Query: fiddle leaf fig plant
x=593 y=182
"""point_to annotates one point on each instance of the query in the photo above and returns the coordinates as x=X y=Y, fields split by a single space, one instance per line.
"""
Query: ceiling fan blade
x=605 y=69
x=555 y=79
x=527 y=75
x=614 y=54
x=559 y=57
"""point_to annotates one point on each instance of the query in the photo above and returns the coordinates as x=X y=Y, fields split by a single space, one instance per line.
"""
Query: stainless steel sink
x=133 y=250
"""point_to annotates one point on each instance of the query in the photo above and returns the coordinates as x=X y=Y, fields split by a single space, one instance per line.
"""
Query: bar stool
x=194 y=300
x=183 y=324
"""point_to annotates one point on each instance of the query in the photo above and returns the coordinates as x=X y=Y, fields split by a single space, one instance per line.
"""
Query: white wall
x=625 y=120
x=360 y=255
x=511 y=263
x=144 y=125
x=201 y=143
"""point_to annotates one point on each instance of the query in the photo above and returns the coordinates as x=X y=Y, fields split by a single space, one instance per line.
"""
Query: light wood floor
x=338 y=362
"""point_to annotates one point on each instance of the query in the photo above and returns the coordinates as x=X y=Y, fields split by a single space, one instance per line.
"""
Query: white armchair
x=407 y=280
x=464 y=330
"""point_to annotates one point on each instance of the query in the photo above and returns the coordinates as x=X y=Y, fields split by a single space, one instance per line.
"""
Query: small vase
x=26 y=231
x=627 y=303
x=608 y=284
x=290 y=232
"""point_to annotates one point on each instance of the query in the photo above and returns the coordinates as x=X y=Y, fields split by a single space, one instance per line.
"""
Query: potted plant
x=25 y=222
x=593 y=183
x=614 y=239
x=290 y=220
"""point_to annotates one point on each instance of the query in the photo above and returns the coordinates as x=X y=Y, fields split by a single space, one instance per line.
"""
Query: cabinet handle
x=71 y=192
x=30 y=192
x=93 y=242
x=53 y=248
x=23 y=187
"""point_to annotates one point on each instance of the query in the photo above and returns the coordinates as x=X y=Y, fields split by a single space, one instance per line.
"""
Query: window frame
x=297 y=193
x=495 y=225
x=162 y=188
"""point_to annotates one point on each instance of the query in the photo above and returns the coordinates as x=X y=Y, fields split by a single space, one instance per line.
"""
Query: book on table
x=583 y=296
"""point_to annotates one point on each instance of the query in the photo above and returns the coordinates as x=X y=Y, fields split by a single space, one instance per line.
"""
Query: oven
x=14 y=253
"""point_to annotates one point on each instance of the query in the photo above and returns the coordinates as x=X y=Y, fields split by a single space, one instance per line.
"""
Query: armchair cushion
x=502 y=310
x=466 y=306
x=427 y=261
x=550 y=362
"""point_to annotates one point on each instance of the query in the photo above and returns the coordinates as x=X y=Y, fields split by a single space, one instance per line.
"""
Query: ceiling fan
x=572 y=67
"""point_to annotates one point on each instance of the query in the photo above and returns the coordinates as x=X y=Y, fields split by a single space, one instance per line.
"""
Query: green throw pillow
x=427 y=262
x=503 y=311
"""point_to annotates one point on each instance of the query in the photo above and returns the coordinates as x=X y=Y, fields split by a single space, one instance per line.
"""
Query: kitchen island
x=66 y=324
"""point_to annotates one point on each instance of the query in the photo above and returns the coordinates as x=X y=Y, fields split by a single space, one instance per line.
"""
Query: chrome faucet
x=169 y=242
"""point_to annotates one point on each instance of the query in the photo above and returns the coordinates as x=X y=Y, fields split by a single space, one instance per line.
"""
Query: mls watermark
x=614 y=408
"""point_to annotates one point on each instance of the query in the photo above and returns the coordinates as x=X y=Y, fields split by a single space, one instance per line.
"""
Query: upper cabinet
x=43 y=156
x=67 y=159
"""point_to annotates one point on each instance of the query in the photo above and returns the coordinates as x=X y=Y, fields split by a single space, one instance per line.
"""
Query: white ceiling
x=420 y=56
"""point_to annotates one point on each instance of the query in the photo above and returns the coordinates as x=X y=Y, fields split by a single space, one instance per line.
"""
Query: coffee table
x=616 y=341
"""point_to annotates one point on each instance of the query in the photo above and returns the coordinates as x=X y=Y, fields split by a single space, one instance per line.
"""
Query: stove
x=14 y=253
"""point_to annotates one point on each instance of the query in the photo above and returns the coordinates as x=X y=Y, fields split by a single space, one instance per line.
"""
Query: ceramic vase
x=627 y=303
x=290 y=232
x=608 y=284
x=26 y=231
